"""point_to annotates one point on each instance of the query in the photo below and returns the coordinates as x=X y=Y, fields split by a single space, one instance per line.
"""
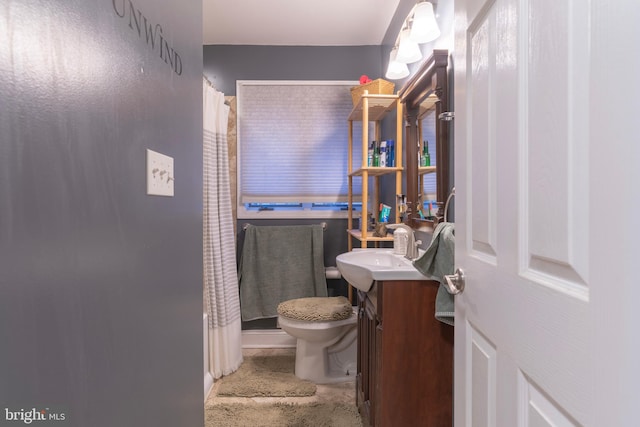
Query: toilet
x=326 y=330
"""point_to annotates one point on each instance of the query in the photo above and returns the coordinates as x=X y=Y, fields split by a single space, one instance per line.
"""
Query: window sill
x=302 y=214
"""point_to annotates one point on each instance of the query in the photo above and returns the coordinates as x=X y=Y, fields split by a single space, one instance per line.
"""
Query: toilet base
x=326 y=365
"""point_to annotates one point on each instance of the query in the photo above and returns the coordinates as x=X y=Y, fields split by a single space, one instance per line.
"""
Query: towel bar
x=246 y=225
x=446 y=205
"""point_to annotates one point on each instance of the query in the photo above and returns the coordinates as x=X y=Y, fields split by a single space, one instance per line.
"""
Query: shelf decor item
x=380 y=229
x=375 y=87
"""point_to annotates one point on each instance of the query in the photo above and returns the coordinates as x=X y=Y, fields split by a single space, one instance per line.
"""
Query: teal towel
x=279 y=263
x=438 y=261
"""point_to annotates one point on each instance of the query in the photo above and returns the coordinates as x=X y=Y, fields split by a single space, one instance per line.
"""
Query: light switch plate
x=159 y=174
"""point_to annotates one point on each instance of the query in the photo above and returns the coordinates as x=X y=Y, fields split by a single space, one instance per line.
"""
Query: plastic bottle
x=370 y=154
x=383 y=154
x=376 y=156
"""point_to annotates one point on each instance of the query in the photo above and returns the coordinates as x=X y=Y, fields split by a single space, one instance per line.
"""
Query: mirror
x=427 y=159
x=425 y=97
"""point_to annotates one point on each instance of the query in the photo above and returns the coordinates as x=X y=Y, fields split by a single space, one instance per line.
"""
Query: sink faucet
x=412 y=243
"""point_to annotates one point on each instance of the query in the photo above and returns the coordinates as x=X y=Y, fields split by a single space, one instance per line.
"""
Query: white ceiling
x=297 y=22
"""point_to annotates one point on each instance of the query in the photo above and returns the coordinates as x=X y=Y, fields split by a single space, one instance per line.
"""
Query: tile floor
x=340 y=392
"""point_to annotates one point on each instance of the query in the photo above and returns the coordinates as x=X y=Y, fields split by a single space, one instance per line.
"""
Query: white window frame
x=244 y=213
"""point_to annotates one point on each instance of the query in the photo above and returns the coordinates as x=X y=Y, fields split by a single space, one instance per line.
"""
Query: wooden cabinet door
x=367 y=373
x=362 y=369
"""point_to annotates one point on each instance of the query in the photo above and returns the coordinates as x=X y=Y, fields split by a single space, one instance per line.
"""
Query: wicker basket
x=376 y=87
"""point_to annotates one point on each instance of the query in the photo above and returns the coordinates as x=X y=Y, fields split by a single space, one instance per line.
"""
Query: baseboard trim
x=267 y=338
x=208 y=385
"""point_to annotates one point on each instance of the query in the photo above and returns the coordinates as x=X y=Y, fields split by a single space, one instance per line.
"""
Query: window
x=292 y=148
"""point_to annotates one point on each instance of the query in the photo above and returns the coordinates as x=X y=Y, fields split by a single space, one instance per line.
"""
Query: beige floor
x=340 y=392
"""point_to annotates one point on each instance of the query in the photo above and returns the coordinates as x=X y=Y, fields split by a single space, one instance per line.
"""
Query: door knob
x=455 y=282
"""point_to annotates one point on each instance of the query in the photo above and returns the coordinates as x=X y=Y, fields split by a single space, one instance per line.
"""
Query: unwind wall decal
x=152 y=33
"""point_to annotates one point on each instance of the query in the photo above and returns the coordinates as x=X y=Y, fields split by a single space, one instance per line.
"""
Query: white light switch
x=159 y=174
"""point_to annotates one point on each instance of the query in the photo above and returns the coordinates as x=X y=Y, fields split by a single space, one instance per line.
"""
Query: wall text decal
x=148 y=32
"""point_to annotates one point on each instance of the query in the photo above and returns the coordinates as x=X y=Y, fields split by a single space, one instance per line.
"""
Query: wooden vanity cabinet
x=405 y=357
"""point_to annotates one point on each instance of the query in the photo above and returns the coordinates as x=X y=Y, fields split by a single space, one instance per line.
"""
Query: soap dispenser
x=400 y=240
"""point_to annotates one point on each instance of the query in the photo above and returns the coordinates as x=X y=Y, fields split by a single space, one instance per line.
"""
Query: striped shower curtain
x=220 y=271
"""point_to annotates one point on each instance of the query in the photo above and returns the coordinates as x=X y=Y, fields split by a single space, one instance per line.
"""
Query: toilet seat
x=319 y=325
x=316 y=309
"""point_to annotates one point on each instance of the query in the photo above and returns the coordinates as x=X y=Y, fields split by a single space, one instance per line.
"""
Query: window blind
x=292 y=139
x=429 y=134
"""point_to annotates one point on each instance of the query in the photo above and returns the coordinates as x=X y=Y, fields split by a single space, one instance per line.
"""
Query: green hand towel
x=438 y=261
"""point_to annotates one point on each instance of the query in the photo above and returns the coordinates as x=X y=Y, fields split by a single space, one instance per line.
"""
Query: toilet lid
x=316 y=309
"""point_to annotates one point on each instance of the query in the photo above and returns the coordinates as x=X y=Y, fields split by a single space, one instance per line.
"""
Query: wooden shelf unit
x=372 y=108
x=357 y=234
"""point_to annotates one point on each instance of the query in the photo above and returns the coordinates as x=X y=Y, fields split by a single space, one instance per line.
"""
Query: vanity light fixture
x=396 y=69
x=424 y=28
x=420 y=26
x=408 y=50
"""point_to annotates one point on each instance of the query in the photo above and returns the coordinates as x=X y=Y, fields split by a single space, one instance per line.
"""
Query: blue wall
x=100 y=284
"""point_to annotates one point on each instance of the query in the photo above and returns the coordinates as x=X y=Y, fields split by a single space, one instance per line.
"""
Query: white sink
x=361 y=267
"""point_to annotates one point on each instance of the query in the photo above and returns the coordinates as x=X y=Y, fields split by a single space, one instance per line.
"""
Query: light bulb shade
x=424 y=28
x=396 y=70
x=408 y=50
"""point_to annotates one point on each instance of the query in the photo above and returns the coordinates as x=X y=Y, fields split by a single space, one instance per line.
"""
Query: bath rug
x=265 y=376
x=282 y=415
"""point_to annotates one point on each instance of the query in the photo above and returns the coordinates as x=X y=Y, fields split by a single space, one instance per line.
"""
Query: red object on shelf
x=364 y=79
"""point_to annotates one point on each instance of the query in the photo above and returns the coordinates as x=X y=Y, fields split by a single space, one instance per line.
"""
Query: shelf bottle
x=426 y=158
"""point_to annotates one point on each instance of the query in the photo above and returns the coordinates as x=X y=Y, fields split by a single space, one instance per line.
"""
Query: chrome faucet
x=412 y=243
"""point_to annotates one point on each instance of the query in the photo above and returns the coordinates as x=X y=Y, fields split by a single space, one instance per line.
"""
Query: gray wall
x=100 y=284
x=224 y=64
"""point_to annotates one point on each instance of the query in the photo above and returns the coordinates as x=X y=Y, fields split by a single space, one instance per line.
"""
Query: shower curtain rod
x=246 y=225
x=214 y=88
x=209 y=81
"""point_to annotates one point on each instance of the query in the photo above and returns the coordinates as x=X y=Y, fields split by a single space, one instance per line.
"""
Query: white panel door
x=547 y=208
